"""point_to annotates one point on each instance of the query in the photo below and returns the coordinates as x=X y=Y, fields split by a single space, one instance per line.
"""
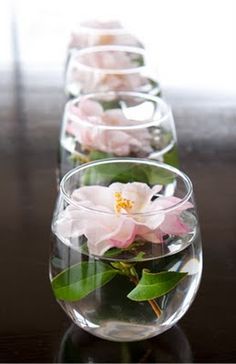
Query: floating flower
x=116 y=215
x=93 y=129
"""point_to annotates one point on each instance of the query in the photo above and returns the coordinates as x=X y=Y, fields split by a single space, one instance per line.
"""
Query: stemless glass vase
x=101 y=32
x=126 y=260
x=109 y=68
x=117 y=124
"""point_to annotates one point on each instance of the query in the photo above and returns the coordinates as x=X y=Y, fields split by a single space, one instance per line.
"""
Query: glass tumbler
x=116 y=124
x=109 y=68
x=126 y=259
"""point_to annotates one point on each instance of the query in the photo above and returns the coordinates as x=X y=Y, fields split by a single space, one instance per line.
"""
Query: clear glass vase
x=109 y=68
x=126 y=259
x=117 y=124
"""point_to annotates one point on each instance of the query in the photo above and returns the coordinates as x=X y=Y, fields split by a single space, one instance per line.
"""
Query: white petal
x=70 y=223
x=99 y=248
x=152 y=222
x=96 y=195
x=139 y=193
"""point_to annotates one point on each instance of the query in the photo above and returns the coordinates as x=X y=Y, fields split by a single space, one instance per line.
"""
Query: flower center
x=106 y=39
x=122 y=203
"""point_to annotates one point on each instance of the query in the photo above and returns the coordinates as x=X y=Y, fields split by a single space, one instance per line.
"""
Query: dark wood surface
x=33 y=328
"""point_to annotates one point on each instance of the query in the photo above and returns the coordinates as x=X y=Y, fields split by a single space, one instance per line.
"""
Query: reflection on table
x=77 y=346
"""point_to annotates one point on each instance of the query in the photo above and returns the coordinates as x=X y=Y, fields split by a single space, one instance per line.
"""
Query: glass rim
x=140 y=125
x=146 y=161
x=107 y=48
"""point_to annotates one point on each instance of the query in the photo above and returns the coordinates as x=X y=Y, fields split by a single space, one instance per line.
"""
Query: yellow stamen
x=106 y=39
x=122 y=203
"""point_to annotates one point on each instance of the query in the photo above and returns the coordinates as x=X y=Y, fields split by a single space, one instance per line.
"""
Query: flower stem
x=152 y=303
x=129 y=271
x=79 y=157
x=155 y=307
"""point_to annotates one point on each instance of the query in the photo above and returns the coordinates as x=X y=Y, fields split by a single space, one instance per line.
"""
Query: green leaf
x=154 y=285
x=159 y=176
x=139 y=256
x=113 y=252
x=96 y=154
x=139 y=60
x=81 y=279
x=112 y=104
x=126 y=172
x=155 y=87
x=172 y=157
x=116 y=172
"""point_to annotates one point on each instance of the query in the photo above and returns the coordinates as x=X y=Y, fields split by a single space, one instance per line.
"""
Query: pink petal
x=75 y=110
x=89 y=107
x=166 y=202
x=152 y=222
x=153 y=236
x=125 y=236
x=70 y=223
x=115 y=141
x=173 y=225
x=141 y=138
x=115 y=231
x=114 y=117
x=72 y=128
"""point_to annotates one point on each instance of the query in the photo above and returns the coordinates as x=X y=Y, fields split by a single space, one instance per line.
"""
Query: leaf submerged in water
x=78 y=281
x=154 y=285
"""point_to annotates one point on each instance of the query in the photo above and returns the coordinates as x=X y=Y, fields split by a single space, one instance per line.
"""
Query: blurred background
x=191 y=43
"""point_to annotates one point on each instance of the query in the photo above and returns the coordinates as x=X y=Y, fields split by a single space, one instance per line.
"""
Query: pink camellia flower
x=123 y=213
x=89 y=124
